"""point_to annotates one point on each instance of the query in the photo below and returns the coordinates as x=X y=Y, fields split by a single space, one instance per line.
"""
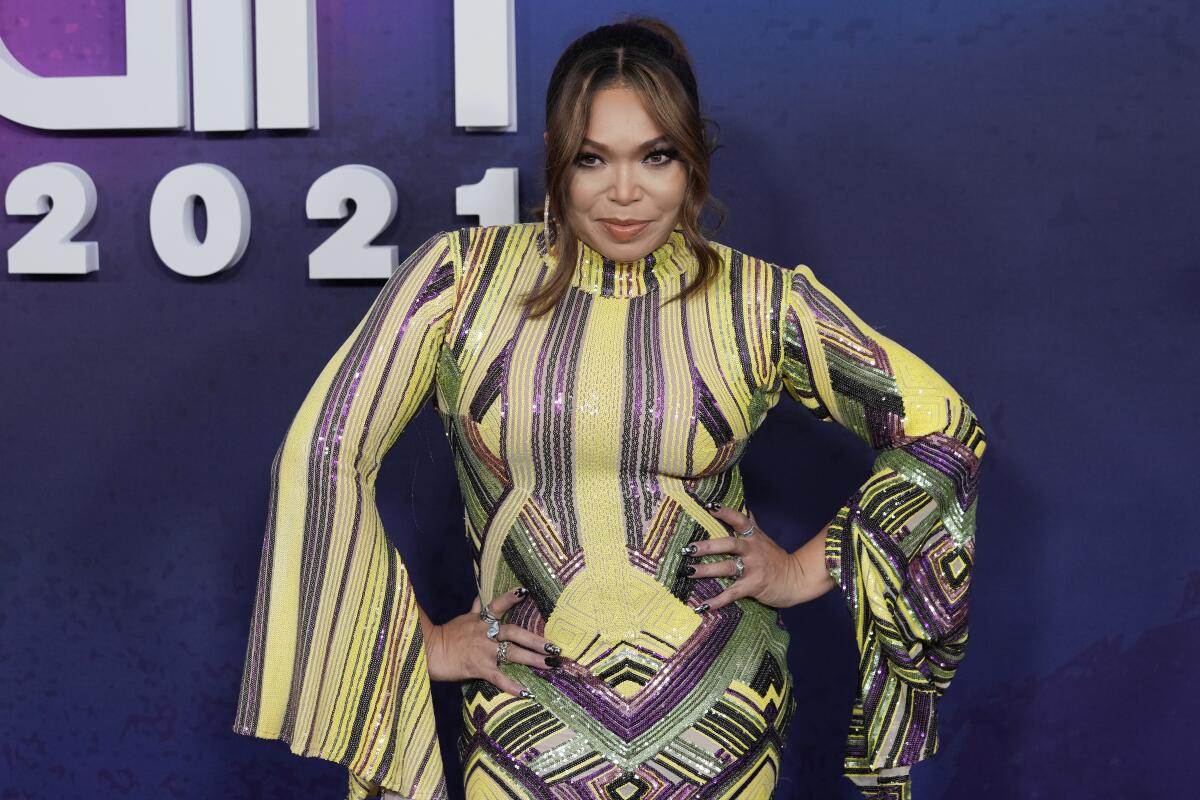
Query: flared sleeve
x=335 y=662
x=902 y=546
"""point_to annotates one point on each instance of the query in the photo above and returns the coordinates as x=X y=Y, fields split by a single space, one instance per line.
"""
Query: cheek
x=669 y=189
x=583 y=190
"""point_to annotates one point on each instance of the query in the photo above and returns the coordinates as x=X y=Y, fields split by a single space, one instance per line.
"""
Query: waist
x=621 y=692
x=629 y=646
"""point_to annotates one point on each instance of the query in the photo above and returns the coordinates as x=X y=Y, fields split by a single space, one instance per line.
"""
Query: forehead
x=619 y=120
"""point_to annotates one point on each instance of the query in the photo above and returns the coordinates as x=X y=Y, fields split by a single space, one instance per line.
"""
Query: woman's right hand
x=460 y=649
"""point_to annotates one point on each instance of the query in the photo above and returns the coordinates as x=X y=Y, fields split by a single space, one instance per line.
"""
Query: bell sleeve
x=335 y=662
x=901 y=548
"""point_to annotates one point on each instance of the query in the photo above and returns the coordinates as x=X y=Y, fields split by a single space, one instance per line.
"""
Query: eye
x=668 y=155
x=581 y=159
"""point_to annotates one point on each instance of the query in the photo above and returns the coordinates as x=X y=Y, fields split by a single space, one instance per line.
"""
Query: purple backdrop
x=1007 y=188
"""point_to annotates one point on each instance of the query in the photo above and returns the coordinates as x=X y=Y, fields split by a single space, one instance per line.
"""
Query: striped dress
x=585 y=443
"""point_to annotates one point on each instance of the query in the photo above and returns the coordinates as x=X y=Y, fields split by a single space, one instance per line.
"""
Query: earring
x=546 y=222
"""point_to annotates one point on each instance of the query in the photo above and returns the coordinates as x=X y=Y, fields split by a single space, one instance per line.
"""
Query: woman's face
x=625 y=172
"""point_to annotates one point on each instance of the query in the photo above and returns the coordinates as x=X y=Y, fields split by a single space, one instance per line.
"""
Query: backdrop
x=1007 y=188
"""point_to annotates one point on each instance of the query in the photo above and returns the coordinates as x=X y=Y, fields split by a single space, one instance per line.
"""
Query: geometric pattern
x=585 y=443
x=902 y=547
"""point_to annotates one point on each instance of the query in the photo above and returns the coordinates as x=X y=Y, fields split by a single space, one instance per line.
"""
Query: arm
x=810 y=562
x=336 y=663
x=901 y=548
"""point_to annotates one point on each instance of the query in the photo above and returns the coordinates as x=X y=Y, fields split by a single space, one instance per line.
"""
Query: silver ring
x=739 y=567
x=747 y=533
x=502 y=653
x=486 y=615
x=493 y=629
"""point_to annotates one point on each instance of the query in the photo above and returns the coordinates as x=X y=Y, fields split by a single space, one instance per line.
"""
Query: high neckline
x=598 y=274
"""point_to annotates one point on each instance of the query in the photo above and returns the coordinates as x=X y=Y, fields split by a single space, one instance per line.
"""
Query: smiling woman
x=627 y=189
x=599 y=376
x=627 y=153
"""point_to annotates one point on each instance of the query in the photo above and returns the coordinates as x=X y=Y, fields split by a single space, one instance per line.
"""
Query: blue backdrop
x=1007 y=188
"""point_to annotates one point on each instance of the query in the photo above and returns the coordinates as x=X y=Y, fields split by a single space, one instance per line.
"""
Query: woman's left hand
x=770 y=574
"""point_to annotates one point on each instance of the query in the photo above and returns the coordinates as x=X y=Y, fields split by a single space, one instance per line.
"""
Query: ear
x=545 y=137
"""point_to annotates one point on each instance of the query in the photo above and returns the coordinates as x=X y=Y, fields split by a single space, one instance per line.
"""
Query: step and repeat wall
x=201 y=202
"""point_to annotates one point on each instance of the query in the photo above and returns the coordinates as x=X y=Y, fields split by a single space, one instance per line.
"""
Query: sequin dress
x=585 y=443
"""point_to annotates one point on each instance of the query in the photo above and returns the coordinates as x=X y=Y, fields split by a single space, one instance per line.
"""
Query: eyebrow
x=642 y=146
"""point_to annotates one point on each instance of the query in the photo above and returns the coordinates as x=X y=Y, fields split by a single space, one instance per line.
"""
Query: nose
x=625 y=189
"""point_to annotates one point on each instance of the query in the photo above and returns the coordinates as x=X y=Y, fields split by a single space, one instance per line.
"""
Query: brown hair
x=647 y=56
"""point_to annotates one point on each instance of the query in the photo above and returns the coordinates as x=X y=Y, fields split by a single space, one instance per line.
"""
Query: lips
x=624 y=233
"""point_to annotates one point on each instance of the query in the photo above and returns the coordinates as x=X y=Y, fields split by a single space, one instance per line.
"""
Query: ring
x=486 y=615
x=747 y=533
x=493 y=629
x=739 y=567
x=502 y=653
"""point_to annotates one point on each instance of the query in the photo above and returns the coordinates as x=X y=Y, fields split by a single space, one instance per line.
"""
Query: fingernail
x=689 y=570
x=713 y=506
x=700 y=609
x=553 y=662
x=688 y=550
x=520 y=591
x=528 y=695
x=552 y=648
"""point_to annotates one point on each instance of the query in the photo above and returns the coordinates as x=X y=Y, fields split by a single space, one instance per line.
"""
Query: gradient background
x=1010 y=189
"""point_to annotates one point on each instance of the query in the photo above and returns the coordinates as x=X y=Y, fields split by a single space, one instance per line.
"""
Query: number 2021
x=65 y=196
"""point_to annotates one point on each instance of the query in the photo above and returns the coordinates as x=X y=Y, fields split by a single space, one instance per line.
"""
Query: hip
x=724 y=692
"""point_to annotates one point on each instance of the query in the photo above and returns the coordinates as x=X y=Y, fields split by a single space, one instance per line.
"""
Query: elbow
x=969 y=431
x=965 y=442
x=951 y=442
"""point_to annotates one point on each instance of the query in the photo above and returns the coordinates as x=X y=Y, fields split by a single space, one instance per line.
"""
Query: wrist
x=433 y=650
x=809 y=578
x=798 y=577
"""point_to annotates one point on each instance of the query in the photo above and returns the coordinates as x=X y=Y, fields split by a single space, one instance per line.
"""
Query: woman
x=599 y=375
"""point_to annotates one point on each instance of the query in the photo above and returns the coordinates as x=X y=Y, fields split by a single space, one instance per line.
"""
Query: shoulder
x=747 y=268
x=496 y=248
x=798 y=279
x=490 y=236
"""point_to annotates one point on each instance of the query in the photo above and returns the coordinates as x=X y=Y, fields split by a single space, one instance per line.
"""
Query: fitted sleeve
x=335 y=663
x=902 y=546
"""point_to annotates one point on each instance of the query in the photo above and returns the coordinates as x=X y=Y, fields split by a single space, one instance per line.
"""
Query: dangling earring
x=547 y=235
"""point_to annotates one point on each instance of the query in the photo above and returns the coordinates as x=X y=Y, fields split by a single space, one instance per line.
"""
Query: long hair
x=645 y=55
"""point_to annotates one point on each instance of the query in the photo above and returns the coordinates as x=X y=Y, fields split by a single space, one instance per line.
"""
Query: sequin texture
x=585 y=443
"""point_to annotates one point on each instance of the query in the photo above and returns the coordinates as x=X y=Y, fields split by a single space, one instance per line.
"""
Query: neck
x=600 y=275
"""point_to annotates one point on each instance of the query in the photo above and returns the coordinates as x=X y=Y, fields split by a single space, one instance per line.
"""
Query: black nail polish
x=552 y=648
x=688 y=550
x=528 y=695
x=554 y=662
x=520 y=591
x=714 y=506
x=689 y=570
x=700 y=609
